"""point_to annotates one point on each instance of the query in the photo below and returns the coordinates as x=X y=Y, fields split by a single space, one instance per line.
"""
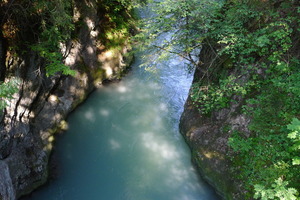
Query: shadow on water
x=124 y=143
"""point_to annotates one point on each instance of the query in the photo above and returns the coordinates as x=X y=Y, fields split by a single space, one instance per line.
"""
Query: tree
x=185 y=22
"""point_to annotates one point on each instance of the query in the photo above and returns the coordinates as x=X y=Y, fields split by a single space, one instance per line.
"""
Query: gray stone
x=6 y=187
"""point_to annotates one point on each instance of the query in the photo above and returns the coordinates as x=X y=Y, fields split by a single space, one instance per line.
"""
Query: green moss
x=221 y=182
x=98 y=75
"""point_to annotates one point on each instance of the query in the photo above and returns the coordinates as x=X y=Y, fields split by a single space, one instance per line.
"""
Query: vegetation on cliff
x=254 y=60
x=257 y=46
x=45 y=28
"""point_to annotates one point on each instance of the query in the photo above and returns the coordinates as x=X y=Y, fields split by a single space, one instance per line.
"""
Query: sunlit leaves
x=278 y=190
x=294 y=126
x=7 y=90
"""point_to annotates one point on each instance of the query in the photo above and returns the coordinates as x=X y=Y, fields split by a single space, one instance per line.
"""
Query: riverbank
x=38 y=111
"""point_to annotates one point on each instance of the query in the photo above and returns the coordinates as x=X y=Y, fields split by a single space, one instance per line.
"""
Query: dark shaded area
x=3 y=50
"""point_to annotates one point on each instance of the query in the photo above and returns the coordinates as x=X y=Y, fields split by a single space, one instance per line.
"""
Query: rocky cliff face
x=207 y=136
x=38 y=111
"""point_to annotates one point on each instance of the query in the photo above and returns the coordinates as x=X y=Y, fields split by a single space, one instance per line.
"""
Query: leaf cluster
x=217 y=96
x=55 y=29
x=7 y=90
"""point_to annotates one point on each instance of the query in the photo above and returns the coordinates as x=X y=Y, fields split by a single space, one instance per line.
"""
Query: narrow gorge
x=224 y=74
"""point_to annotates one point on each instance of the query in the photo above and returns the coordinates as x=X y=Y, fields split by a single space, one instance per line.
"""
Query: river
x=123 y=143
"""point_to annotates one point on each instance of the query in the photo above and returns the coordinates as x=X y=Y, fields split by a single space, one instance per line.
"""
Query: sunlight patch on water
x=104 y=112
x=122 y=89
x=114 y=144
x=89 y=115
x=163 y=107
x=158 y=146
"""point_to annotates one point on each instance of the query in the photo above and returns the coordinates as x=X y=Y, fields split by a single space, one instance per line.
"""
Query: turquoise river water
x=123 y=143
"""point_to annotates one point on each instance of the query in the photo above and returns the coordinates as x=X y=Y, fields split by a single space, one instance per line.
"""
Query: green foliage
x=6 y=92
x=294 y=126
x=184 y=21
x=119 y=23
x=116 y=11
x=217 y=96
x=271 y=41
x=55 y=29
x=57 y=26
x=279 y=189
x=264 y=51
x=267 y=155
x=53 y=60
x=56 y=21
x=261 y=159
x=42 y=26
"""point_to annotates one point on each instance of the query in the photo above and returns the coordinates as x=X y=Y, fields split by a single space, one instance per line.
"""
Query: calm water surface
x=123 y=143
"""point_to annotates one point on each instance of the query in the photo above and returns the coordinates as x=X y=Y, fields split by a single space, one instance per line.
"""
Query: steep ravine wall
x=207 y=136
x=39 y=108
